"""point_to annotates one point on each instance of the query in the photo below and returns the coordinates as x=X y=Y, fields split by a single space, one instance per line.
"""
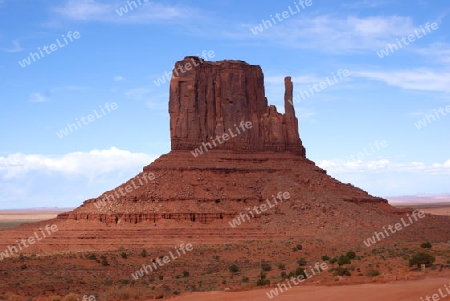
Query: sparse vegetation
x=262 y=281
x=302 y=262
x=351 y=255
x=144 y=253
x=297 y=248
x=233 y=268
x=426 y=245
x=373 y=273
x=325 y=257
x=341 y=271
x=266 y=266
x=421 y=258
x=343 y=259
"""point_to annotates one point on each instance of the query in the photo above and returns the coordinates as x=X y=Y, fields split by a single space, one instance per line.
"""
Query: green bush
x=297 y=248
x=373 y=273
x=233 y=268
x=266 y=266
x=343 y=259
x=340 y=271
x=426 y=245
x=421 y=258
x=300 y=271
x=262 y=282
x=351 y=255
x=302 y=262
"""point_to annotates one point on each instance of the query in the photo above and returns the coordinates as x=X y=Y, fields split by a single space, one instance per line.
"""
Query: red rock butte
x=212 y=98
x=193 y=198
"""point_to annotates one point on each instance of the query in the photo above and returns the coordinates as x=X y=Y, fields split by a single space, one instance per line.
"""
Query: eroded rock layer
x=214 y=98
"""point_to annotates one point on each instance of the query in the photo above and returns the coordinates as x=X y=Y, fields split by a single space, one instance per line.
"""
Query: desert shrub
x=71 y=297
x=124 y=255
x=161 y=277
x=340 y=271
x=266 y=266
x=105 y=262
x=325 y=257
x=351 y=255
x=297 y=248
x=144 y=253
x=23 y=266
x=300 y=271
x=373 y=273
x=283 y=275
x=233 y=268
x=245 y=279
x=281 y=266
x=108 y=282
x=333 y=260
x=421 y=258
x=262 y=282
x=92 y=257
x=302 y=262
x=426 y=245
x=185 y=273
x=343 y=260
x=124 y=281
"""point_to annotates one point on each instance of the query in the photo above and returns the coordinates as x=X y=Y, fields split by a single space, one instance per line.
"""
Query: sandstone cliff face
x=213 y=98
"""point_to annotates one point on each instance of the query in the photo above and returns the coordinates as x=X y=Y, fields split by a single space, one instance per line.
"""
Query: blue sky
x=112 y=60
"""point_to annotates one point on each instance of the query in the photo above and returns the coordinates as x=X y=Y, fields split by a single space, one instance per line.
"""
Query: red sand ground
x=400 y=291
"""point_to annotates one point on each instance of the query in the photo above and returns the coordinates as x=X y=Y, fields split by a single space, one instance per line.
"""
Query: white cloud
x=88 y=164
x=417 y=79
x=439 y=52
x=65 y=88
x=137 y=93
x=383 y=166
x=34 y=180
x=119 y=78
x=350 y=34
x=102 y=11
x=16 y=46
x=36 y=97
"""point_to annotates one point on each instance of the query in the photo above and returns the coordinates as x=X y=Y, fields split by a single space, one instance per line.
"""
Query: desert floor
x=399 y=291
x=438 y=208
x=12 y=218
